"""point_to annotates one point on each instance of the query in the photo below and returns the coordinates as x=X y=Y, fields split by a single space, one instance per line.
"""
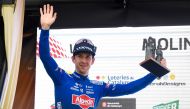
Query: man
x=76 y=91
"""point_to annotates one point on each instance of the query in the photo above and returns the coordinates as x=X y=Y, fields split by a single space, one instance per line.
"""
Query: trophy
x=152 y=62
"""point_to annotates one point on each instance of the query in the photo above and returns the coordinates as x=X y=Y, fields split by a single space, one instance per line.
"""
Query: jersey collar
x=79 y=76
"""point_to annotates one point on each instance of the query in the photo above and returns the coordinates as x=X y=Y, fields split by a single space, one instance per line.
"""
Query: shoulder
x=62 y=71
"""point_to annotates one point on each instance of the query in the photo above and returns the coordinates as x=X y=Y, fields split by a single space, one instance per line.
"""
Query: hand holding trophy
x=154 y=64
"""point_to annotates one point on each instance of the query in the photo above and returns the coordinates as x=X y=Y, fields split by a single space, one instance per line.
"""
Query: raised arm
x=47 y=19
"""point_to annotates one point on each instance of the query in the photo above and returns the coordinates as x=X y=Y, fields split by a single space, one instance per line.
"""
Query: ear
x=73 y=59
x=93 y=59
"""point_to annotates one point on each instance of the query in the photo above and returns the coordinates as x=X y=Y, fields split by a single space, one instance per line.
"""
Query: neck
x=83 y=74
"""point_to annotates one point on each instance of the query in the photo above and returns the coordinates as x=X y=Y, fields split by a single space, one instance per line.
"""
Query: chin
x=84 y=72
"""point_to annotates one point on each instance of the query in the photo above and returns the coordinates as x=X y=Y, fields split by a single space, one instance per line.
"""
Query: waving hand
x=47 y=16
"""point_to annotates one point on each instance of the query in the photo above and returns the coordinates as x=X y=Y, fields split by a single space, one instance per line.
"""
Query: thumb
x=54 y=16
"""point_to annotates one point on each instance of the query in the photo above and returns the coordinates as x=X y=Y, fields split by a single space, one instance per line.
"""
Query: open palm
x=47 y=16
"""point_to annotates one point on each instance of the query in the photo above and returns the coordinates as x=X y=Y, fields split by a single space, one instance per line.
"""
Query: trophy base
x=154 y=67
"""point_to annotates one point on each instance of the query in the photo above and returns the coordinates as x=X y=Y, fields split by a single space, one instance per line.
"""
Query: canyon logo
x=84 y=101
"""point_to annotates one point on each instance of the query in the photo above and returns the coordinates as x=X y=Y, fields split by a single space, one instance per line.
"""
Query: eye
x=88 y=56
x=79 y=55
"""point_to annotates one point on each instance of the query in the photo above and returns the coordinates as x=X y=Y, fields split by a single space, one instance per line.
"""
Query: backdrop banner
x=119 y=53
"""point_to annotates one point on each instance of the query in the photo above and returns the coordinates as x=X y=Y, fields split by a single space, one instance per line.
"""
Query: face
x=83 y=62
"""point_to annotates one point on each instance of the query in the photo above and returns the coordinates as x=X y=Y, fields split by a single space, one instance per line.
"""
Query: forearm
x=44 y=51
x=44 y=43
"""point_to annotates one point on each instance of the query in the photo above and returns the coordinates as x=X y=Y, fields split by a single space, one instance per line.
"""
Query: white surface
x=119 y=52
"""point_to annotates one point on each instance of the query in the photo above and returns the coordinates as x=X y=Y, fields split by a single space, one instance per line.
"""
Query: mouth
x=83 y=66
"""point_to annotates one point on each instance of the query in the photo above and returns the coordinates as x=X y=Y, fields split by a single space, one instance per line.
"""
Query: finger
x=48 y=8
x=51 y=10
x=54 y=15
x=45 y=9
x=41 y=12
x=163 y=62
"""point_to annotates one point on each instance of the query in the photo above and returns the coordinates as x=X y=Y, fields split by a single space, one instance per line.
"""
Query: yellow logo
x=172 y=76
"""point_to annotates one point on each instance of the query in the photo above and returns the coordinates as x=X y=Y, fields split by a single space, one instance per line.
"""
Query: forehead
x=84 y=54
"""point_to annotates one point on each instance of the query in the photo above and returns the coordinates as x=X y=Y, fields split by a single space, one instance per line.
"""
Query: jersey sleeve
x=130 y=88
x=56 y=73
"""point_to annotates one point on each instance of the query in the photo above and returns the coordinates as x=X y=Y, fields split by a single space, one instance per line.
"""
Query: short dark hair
x=76 y=53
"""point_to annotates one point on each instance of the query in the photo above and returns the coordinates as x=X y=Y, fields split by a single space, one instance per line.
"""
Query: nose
x=83 y=59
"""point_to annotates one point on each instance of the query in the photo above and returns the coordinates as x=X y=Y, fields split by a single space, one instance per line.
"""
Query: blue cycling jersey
x=74 y=91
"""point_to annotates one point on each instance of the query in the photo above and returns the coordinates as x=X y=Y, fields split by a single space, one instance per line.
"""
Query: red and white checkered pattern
x=56 y=49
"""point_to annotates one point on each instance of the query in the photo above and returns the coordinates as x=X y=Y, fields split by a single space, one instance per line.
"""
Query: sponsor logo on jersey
x=59 y=106
x=96 y=82
x=84 y=101
x=107 y=85
x=89 y=90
